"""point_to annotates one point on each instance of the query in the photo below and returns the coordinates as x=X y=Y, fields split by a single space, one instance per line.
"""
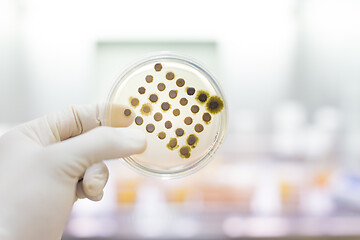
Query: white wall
x=255 y=41
x=328 y=65
x=267 y=50
x=13 y=84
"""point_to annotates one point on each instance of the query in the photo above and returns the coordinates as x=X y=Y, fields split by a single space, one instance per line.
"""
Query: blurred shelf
x=243 y=238
x=173 y=224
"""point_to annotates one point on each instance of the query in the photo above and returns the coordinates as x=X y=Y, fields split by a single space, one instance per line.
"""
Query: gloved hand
x=46 y=164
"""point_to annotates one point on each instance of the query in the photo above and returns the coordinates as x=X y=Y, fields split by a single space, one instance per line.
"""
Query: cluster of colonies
x=212 y=104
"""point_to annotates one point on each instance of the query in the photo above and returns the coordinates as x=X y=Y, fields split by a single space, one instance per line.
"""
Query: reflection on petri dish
x=182 y=111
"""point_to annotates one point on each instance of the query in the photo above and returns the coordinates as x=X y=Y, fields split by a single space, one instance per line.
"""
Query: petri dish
x=180 y=107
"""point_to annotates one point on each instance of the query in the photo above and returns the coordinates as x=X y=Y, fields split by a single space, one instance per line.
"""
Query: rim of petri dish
x=206 y=158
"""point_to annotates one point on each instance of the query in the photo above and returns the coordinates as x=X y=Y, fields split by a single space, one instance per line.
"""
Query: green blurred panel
x=113 y=57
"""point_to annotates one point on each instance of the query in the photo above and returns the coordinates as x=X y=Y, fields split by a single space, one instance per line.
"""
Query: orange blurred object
x=126 y=192
x=321 y=179
x=219 y=194
x=178 y=195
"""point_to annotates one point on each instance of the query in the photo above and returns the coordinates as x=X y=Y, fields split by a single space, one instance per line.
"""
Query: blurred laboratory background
x=290 y=70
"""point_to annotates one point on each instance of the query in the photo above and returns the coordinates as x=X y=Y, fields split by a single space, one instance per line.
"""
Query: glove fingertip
x=97 y=197
x=119 y=116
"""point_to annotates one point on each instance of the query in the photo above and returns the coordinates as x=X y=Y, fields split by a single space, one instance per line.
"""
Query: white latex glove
x=46 y=164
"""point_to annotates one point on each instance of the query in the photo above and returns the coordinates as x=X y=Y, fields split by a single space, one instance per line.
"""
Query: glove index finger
x=75 y=120
x=99 y=144
x=117 y=115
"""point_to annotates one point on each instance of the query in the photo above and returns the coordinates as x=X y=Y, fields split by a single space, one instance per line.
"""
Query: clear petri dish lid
x=180 y=107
